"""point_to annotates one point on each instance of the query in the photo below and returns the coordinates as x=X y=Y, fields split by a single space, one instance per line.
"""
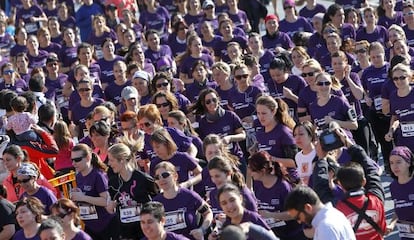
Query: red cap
x=270 y=17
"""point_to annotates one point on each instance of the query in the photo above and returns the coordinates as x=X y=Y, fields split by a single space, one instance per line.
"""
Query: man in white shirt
x=304 y=205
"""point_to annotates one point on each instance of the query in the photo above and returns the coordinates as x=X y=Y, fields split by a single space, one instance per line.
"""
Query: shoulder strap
x=362 y=215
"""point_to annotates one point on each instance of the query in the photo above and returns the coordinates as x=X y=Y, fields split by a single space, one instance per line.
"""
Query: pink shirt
x=20 y=122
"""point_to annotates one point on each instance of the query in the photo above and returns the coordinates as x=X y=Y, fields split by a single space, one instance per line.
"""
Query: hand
x=287 y=93
x=347 y=71
x=72 y=129
x=389 y=136
x=328 y=119
x=368 y=100
x=389 y=229
x=227 y=139
x=110 y=206
x=77 y=196
x=197 y=234
x=265 y=214
x=32 y=19
x=37 y=129
x=248 y=120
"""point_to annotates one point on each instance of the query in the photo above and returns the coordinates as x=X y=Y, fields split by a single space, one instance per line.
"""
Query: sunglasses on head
x=78 y=159
x=162 y=175
x=362 y=50
x=309 y=74
x=24 y=180
x=164 y=84
x=84 y=89
x=209 y=101
x=401 y=78
x=323 y=83
x=239 y=77
x=166 y=104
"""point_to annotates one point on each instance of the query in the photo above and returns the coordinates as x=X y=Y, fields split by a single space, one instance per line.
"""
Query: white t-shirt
x=304 y=163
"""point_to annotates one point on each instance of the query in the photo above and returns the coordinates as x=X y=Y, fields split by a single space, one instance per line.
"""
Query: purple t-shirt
x=187 y=65
x=26 y=14
x=18 y=49
x=300 y=25
x=357 y=4
x=70 y=22
x=326 y=61
x=249 y=200
x=347 y=32
x=39 y=60
x=264 y=62
x=55 y=87
x=183 y=162
x=153 y=56
x=249 y=216
x=309 y=13
x=279 y=39
x=402 y=108
x=317 y=46
x=19 y=86
x=79 y=114
x=387 y=22
x=68 y=55
x=380 y=34
x=181 y=211
x=409 y=33
x=93 y=184
x=172 y=236
x=239 y=19
x=348 y=93
x=337 y=108
x=45 y=195
x=401 y=194
x=243 y=103
x=52 y=48
x=81 y=235
x=19 y=235
x=97 y=41
x=372 y=80
x=295 y=83
x=157 y=21
x=193 y=90
x=225 y=96
x=107 y=69
x=213 y=42
x=220 y=49
x=75 y=98
x=177 y=46
x=273 y=199
x=191 y=19
x=113 y=92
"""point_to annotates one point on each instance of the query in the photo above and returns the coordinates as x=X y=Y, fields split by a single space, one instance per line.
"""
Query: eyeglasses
x=408 y=13
x=239 y=77
x=329 y=30
x=78 y=159
x=323 y=83
x=166 y=104
x=164 y=84
x=401 y=78
x=163 y=175
x=309 y=74
x=62 y=215
x=24 y=180
x=145 y=124
x=8 y=72
x=362 y=50
x=84 y=89
x=209 y=101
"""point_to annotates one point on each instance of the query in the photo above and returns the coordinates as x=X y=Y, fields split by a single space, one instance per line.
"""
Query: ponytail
x=97 y=163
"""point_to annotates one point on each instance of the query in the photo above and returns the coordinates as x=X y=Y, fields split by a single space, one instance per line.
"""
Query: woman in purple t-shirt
x=20 y=38
x=401 y=162
x=30 y=16
x=371 y=31
x=68 y=212
x=11 y=79
x=99 y=34
x=271 y=186
x=194 y=13
x=136 y=55
x=68 y=54
x=181 y=205
x=165 y=102
x=238 y=16
x=221 y=75
x=37 y=57
x=92 y=194
x=29 y=216
x=108 y=62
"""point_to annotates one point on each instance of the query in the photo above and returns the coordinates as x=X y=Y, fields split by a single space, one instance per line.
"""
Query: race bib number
x=129 y=214
x=87 y=211
x=175 y=220
x=378 y=103
x=406 y=229
x=273 y=223
x=31 y=27
x=99 y=53
x=407 y=129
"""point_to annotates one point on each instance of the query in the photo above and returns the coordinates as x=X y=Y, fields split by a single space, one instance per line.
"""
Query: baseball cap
x=207 y=3
x=142 y=75
x=129 y=92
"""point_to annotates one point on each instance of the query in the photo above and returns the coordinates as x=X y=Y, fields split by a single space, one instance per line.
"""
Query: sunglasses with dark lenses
x=323 y=83
x=164 y=84
x=145 y=124
x=309 y=74
x=239 y=77
x=166 y=104
x=163 y=175
x=78 y=159
x=362 y=50
x=8 y=72
x=84 y=89
x=62 y=215
x=209 y=101
x=24 y=180
x=401 y=78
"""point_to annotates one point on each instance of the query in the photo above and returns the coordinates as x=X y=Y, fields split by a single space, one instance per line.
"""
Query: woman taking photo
x=276 y=135
x=271 y=188
x=166 y=150
x=129 y=190
x=92 y=194
x=400 y=107
x=219 y=121
x=29 y=216
x=402 y=164
x=181 y=205
x=68 y=212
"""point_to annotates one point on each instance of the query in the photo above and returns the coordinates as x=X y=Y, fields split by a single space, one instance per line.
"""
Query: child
x=21 y=122
x=61 y=134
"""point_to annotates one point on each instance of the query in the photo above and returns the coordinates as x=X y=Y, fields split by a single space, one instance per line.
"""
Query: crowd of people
x=180 y=120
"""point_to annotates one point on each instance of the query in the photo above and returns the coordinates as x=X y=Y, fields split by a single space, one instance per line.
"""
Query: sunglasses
x=84 y=89
x=362 y=50
x=309 y=74
x=166 y=104
x=24 y=180
x=323 y=83
x=163 y=175
x=164 y=84
x=7 y=72
x=145 y=124
x=209 y=101
x=62 y=215
x=78 y=159
x=408 y=14
x=239 y=77
x=401 y=78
